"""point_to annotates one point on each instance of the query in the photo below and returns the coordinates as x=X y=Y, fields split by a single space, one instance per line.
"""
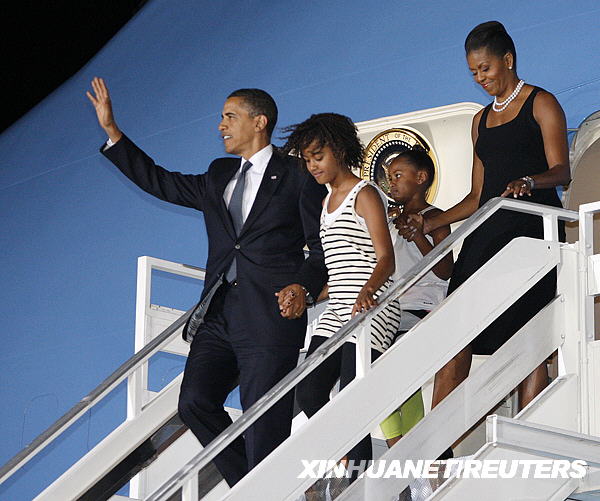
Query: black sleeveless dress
x=508 y=152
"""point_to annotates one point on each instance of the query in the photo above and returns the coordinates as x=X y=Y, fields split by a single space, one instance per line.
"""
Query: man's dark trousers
x=221 y=357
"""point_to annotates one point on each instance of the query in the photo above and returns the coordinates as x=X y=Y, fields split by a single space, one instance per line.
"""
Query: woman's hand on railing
x=518 y=188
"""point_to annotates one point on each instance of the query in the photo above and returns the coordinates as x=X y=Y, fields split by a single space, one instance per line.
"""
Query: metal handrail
x=87 y=402
x=330 y=346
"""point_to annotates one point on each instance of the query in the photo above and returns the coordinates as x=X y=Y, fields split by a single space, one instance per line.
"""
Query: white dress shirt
x=254 y=177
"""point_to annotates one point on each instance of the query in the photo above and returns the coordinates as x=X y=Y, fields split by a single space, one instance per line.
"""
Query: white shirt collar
x=260 y=159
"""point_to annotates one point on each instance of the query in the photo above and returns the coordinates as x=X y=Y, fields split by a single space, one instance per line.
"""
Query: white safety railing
x=135 y=371
x=146 y=313
x=284 y=464
x=589 y=288
x=515 y=440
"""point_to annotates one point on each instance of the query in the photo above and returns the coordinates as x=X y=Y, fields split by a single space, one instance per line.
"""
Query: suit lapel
x=223 y=176
x=273 y=175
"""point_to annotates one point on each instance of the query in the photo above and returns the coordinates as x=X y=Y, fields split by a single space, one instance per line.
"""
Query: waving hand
x=101 y=101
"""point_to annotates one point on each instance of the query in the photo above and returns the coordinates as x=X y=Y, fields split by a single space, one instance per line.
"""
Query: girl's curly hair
x=327 y=129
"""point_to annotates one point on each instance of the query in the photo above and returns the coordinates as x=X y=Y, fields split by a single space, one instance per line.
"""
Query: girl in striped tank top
x=358 y=253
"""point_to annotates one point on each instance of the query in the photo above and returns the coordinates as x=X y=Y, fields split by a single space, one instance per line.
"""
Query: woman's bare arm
x=470 y=203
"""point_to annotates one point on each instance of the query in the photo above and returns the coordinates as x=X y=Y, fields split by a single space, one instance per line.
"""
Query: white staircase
x=561 y=423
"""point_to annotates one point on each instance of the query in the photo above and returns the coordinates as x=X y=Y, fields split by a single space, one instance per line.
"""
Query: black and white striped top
x=350 y=259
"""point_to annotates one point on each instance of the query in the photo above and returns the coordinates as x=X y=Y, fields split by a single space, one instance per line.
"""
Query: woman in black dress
x=520 y=150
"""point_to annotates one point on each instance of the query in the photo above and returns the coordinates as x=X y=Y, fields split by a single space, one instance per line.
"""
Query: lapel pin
x=273 y=177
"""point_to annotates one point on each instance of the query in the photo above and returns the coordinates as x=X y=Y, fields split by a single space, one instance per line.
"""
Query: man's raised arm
x=188 y=190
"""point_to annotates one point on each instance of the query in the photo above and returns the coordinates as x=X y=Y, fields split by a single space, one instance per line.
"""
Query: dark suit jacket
x=269 y=248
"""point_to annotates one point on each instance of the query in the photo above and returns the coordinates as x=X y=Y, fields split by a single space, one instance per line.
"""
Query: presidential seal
x=384 y=147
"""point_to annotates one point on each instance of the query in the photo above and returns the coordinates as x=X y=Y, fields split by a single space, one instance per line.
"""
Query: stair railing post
x=137 y=381
x=363 y=350
x=189 y=490
x=550 y=227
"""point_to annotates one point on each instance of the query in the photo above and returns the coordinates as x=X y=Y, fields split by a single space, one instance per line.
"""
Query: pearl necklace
x=501 y=106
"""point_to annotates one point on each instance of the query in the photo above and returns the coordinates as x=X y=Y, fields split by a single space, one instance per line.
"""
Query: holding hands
x=292 y=301
x=103 y=106
x=411 y=226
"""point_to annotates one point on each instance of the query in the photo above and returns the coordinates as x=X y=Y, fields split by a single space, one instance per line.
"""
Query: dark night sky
x=47 y=41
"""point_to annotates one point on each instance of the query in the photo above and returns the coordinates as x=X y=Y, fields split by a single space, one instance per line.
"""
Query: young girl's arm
x=413 y=232
x=370 y=207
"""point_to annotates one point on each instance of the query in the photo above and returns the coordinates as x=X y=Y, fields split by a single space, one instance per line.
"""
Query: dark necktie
x=235 y=209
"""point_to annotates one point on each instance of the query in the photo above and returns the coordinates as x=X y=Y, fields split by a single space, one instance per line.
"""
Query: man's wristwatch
x=308 y=297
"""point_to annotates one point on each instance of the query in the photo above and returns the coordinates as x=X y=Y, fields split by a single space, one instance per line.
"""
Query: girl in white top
x=358 y=253
x=411 y=174
x=431 y=289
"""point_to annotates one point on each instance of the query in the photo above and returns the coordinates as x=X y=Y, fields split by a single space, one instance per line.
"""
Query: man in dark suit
x=259 y=211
